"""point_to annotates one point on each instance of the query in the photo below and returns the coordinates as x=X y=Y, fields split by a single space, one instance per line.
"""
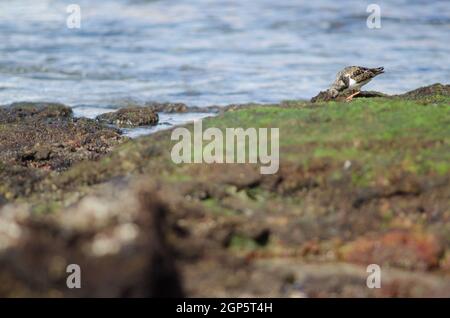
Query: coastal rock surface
x=325 y=96
x=364 y=182
x=168 y=107
x=117 y=238
x=431 y=90
x=130 y=117
x=435 y=89
x=37 y=138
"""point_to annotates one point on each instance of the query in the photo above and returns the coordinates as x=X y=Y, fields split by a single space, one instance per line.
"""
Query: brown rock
x=167 y=107
x=435 y=89
x=410 y=250
x=39 y=137
x=130 y=117
x=118 y=240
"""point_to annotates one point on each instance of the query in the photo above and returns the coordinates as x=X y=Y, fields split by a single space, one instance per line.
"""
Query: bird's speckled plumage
x=353 y=78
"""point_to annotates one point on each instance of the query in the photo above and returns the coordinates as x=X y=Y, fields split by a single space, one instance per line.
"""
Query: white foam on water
x=91 y=111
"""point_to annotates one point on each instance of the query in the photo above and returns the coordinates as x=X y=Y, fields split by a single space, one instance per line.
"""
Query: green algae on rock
x=437 y=89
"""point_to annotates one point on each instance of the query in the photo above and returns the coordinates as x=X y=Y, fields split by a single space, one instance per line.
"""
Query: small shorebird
x=353 y=78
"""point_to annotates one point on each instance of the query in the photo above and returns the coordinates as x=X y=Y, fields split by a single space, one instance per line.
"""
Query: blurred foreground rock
x=117 y=238
x=325 y=96
x=359 y=183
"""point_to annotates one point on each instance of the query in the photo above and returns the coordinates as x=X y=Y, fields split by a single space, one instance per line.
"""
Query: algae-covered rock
x=130 y=117
x=323 y=96
x=18 y=111
x=422 y=92
x=168 y=107
x=36 y=138
x=431 y=90
x=326 y=96
x=358 y=183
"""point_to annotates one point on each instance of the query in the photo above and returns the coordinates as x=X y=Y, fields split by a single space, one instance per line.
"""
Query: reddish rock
x=410 y=250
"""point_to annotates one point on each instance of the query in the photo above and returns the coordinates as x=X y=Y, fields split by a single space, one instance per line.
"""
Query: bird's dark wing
x=346 y=81
x=341 y=83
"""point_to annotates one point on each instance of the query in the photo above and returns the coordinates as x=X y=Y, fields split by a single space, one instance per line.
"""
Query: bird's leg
x=349 y=98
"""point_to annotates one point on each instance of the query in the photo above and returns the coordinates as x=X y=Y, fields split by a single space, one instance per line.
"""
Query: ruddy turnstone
x=352 y=78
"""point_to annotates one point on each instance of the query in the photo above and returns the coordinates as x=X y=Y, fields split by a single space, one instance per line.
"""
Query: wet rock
x=324 y=279
x=183 y=108
x=179 y=107
x=369 y=94
x=45 y=136
x=240 y=176
x=3 y=200
x=130 y=117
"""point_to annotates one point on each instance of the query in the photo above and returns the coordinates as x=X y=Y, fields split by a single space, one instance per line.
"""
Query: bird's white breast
x=351 y=82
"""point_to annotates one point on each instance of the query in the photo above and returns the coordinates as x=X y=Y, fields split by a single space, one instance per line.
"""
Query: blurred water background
x=212 y=52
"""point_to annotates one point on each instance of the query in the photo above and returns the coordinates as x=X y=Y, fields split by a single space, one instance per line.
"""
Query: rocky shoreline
x=359 y=183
